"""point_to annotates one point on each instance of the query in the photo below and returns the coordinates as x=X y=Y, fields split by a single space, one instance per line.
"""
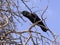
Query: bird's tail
x=43 y=27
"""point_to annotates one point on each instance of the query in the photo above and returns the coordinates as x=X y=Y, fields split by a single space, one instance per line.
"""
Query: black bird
x=34 y=18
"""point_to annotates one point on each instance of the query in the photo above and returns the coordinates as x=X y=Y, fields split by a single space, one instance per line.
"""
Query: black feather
x=34 y=18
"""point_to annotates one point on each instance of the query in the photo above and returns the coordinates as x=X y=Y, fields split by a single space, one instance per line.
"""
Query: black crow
x=34 y=18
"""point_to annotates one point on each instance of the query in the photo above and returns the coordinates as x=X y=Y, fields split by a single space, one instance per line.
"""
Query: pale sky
x=53 y=18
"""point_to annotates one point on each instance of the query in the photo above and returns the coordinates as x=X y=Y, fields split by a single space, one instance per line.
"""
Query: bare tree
x=10 y=15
